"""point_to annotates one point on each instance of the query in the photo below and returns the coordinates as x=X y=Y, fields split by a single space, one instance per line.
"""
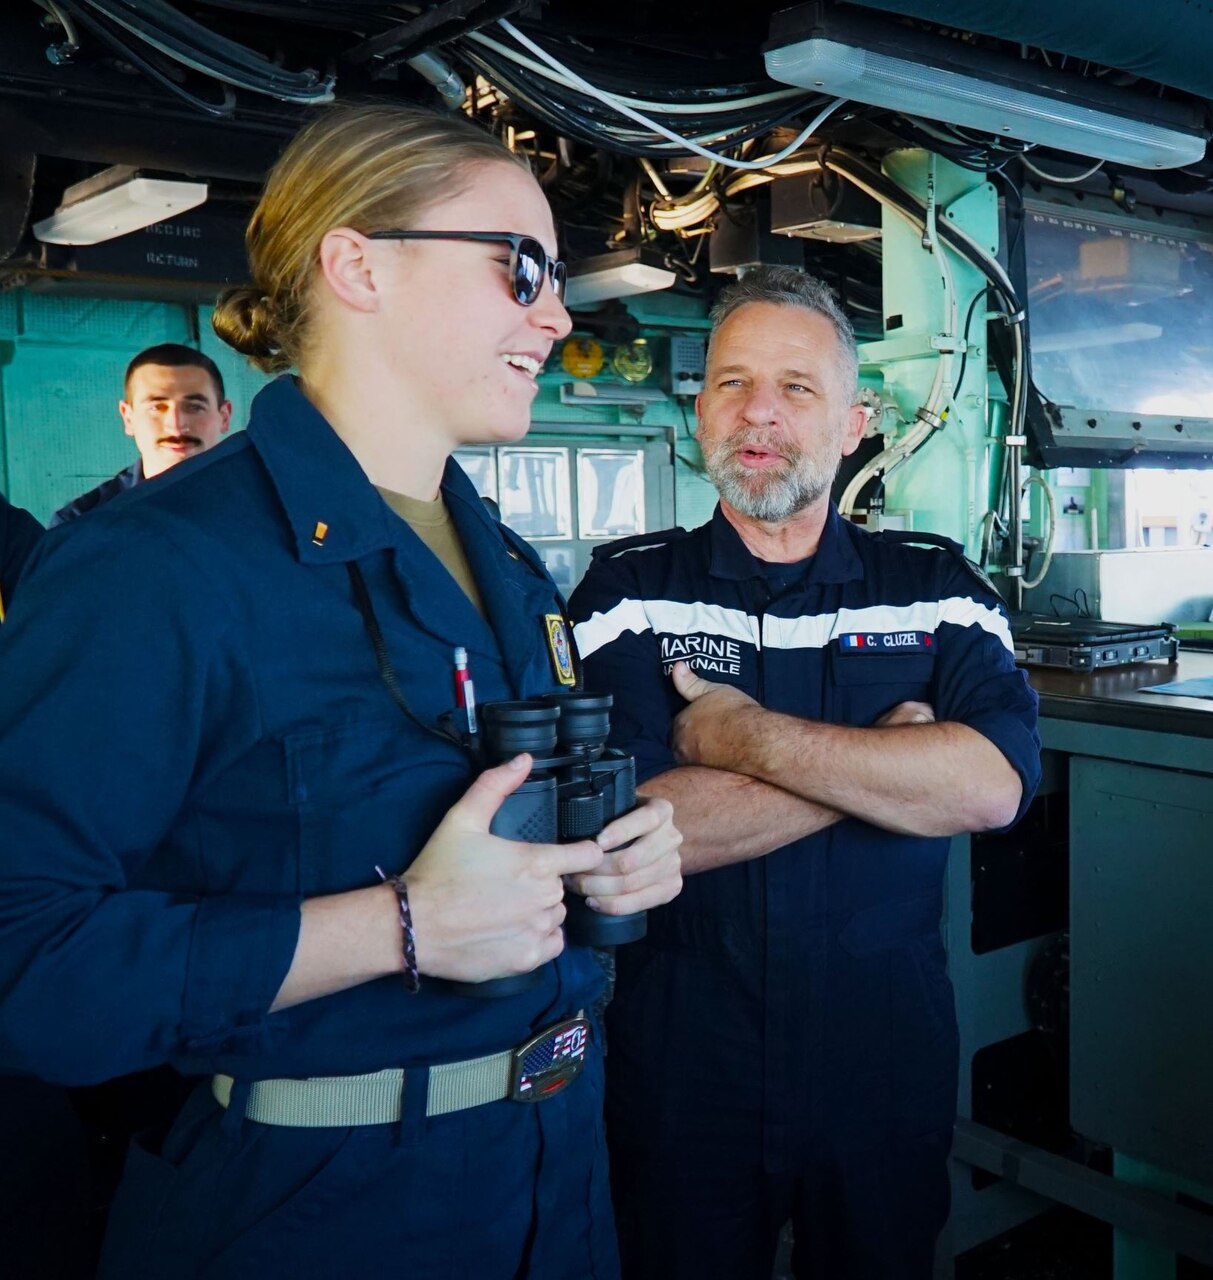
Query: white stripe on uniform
x=810 y=631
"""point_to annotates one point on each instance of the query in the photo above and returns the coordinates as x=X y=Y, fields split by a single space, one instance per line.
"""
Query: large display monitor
x=1120 y=315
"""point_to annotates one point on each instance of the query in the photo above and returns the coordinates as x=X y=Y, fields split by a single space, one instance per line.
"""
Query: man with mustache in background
x=824 y=707
x=174 y=407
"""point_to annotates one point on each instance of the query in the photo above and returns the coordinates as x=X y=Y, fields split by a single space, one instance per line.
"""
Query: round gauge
x=582 y=357
x=633 y=362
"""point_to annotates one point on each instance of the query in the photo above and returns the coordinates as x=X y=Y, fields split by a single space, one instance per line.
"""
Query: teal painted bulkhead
x=62 y=360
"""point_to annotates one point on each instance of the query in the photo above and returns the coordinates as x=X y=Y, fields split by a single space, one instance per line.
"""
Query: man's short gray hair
x=788 y=287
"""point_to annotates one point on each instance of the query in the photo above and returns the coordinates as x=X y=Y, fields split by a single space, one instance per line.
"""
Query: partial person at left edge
x=173 y=406
x=44 y=1180
x=20 y=533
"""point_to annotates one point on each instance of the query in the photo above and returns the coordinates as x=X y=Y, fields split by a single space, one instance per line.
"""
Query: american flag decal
x=546 y=1064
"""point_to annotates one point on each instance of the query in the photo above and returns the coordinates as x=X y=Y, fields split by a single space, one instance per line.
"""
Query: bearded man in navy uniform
x=824 y=707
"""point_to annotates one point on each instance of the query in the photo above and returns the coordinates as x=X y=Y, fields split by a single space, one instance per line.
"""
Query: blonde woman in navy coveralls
x=202 y=765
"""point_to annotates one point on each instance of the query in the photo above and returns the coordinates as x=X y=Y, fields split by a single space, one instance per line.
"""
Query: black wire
x=620 y=67
x=154 y=19
x=1014 y=195
x=966 y=156
x=981 y=293
x=582 y=116
x=383 y=661
x=1082 y=608
x=357 y=16
x=567 y=121
x=686 y=426
x=122 y=48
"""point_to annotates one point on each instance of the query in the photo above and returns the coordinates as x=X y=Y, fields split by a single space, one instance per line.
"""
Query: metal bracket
x=972 y=208
x=911 y=346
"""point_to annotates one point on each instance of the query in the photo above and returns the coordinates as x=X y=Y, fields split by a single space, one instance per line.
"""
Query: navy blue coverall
x=158 y=843
x=783 y=1041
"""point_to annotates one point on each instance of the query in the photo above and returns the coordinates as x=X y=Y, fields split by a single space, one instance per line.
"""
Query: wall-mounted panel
x=1141 y=962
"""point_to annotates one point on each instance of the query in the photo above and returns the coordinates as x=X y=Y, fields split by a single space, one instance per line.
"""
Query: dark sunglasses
x=529 y=262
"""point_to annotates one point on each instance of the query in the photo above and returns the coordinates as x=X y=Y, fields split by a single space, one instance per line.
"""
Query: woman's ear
x=348 y=268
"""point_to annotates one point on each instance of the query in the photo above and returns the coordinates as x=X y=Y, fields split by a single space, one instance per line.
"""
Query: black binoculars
x=577 y=785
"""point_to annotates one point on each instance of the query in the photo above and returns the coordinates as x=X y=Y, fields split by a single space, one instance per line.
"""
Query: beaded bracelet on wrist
x=412 y=979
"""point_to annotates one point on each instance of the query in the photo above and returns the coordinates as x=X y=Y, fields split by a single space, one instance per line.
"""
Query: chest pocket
x=866 y=685
x=365 y=793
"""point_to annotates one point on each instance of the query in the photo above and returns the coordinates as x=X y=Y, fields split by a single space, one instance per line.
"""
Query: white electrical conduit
x=618 y=104
x=655 y=178
x=1056 y=177
x=667 y=108
x=884 y=461
x=930 y=237
x=1051 y=503
x=940 y=395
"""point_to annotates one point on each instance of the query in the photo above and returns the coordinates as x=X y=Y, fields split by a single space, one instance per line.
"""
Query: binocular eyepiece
x=572 y=721
x=577 y=785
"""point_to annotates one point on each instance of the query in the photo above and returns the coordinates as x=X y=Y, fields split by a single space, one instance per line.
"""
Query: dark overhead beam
x=446 y=21
x=106 y=133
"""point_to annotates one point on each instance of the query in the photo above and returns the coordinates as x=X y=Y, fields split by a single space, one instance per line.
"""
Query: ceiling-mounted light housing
x=615 y=275
x=114 y=203
x=884 y=65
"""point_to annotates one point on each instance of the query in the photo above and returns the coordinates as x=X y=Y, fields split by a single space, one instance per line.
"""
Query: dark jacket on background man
x=126 y=479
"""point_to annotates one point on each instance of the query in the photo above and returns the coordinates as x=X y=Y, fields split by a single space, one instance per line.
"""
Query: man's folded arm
x=727 y=817
x=914 y=779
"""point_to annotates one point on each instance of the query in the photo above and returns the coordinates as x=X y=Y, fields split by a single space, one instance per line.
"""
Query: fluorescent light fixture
x=114 y=203
x=846 y=56
x=615 y=275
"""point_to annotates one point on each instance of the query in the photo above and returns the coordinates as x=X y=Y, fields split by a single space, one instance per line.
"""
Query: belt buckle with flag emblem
x=547 y=1062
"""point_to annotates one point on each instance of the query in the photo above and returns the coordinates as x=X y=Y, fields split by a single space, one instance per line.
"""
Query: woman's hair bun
x=244 y=319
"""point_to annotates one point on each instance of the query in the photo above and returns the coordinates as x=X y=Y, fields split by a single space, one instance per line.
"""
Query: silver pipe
x=442 y=76
x=1014 y=570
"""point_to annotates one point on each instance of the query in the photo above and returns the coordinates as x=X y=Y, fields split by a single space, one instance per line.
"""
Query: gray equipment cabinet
x=1080 y=946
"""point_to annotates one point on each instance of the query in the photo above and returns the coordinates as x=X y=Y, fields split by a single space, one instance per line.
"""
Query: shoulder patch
x=637 y=542
x=905 y=537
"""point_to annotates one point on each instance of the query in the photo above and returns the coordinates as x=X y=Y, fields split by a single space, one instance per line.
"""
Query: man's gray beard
x=769 y=496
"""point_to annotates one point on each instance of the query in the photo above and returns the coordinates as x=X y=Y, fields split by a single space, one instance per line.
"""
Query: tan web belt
x=535 y=1070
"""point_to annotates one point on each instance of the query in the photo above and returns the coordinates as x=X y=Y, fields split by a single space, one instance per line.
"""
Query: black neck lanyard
x=387 y=673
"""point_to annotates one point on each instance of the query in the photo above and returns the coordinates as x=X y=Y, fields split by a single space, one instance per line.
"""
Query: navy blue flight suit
x=783 y=1042
x=194 y=737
